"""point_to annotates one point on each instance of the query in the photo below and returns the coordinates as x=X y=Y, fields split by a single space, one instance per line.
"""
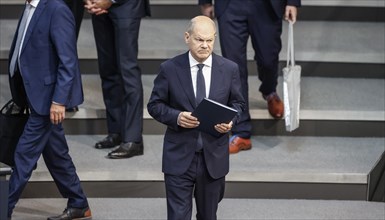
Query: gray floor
x=240 y=209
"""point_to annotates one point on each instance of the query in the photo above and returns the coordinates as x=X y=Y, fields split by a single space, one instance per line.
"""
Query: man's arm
x=158 y=105
x=63 y=24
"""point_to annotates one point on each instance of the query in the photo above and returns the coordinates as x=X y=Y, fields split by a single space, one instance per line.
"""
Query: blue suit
x=261 y=20
x=48 y=72
x=173 y=93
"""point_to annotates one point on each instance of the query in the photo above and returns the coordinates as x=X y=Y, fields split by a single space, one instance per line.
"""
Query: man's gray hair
x=194 y=21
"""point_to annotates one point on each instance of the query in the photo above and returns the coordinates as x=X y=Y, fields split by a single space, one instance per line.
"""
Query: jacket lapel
x=36 y=15
x=184 y=77
x=216 y=77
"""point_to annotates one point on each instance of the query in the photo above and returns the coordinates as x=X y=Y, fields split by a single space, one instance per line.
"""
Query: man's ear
x=186 y=37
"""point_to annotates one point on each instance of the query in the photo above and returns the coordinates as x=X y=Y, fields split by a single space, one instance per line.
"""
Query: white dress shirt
x=206 y=72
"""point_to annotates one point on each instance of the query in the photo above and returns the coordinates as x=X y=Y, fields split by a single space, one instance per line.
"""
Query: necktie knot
x=200 y=66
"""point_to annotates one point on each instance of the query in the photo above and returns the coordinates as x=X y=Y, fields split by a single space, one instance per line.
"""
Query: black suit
x=173 y=92
x=116 y=35
x=262 y=21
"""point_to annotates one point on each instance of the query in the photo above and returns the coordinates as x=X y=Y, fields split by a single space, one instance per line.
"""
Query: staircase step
x=276 y=167
x=229 y=209
x=343 y=42
x=329 y=107
x=337 y=49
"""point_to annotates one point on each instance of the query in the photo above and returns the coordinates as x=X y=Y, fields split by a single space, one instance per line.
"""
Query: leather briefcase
x=12 y=123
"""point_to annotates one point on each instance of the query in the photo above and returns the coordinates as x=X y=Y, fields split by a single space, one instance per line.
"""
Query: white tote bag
x=291 y=85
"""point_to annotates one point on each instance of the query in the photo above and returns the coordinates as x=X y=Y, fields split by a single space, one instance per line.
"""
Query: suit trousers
x=117 y=48
x=77 y=9
x=255 y=19
x=208 y=192
x=41 y=137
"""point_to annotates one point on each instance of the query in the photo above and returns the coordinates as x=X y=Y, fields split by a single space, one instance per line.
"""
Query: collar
x=34 y=3
x=193 y=62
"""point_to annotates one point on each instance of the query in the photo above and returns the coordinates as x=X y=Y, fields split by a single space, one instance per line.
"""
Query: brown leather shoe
x=73 y=213
x=237 y=144
x=275 y=105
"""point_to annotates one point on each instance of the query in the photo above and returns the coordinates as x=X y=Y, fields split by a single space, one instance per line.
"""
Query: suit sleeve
x=63 y=37
x=236 y=99
x=158 y=106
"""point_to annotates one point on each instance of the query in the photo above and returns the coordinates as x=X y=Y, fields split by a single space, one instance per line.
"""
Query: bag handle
x=8 y=109
x=290 y=46
x=6 y=106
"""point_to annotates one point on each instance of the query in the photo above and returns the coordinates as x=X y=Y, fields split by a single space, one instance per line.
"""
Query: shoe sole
x=242 y=147
x=102 y=147
x=123 y=157
x=83 y=218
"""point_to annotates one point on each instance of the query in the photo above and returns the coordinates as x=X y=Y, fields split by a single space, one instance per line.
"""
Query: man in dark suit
x=262 y=21
x=44 y=75
x=116 y=35
x=194 y=162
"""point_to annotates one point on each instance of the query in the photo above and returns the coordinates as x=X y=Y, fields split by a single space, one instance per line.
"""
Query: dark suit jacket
x=48 y=59
x=172 y=93
x=277 y=5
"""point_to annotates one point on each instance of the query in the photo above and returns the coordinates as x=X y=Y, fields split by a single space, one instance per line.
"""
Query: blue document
x=210 y=113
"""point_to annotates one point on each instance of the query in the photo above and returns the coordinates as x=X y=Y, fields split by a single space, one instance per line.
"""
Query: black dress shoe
x=127 y=150
x=110 y=141
x=73 y=213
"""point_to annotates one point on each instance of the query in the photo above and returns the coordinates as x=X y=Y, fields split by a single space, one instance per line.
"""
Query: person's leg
x=208 y=192
x=126 y=47
x=27 y=153
x=110 y=76
x=232 y=26
x=265 y=29
x=234 y=34
x=179 y=191
x=62 y=169
x=77 y=9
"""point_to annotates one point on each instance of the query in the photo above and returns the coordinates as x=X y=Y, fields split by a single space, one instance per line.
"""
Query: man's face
x=201 y=41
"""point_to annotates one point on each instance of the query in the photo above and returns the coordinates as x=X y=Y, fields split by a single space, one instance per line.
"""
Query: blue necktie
x=201 y=87
x=20 y=34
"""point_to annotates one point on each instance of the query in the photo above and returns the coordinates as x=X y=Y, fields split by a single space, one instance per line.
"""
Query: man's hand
x=185 y=120
x=223 y=127
x=103 y=4
x=92 y=7
x=291 y=13
x=207 y=10
x=57 y=113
